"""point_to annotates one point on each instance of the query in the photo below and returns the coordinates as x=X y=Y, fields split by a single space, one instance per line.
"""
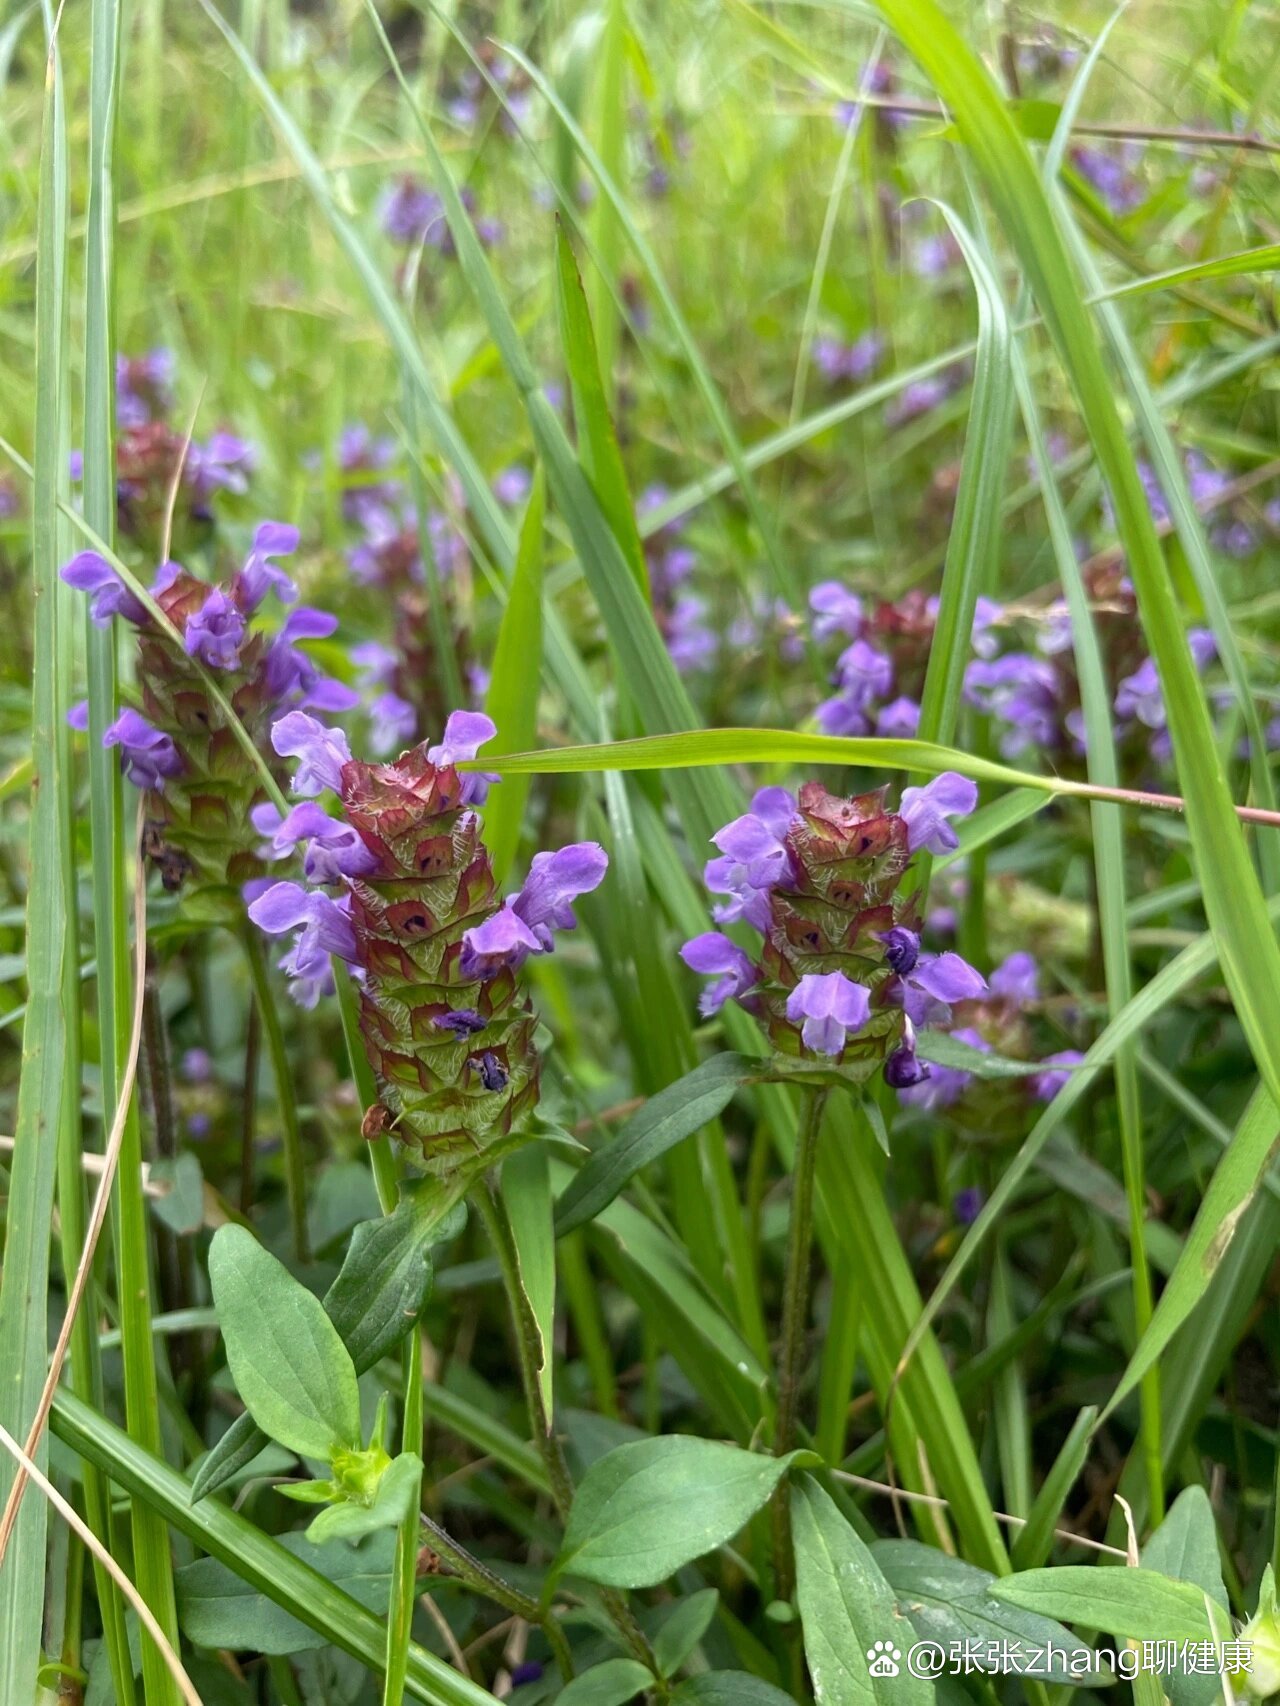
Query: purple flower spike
x=714 y=955
x=555 y=880
x=259 y=574
x=109 y=596
x=147 y=755
x=926 y=810
x=215 y=632
x=464 y=734
x=1017 y=979
x=502 y=942
x=1046 y=1084
x=322 y=752
x=830 y=1006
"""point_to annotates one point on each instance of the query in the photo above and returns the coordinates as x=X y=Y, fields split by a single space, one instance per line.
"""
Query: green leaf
x=845 y=1606
x=241 y=1443
x=729 y=1688
x=683 y=1629
x=1035 y=1541
x=948 y=1600
x=1131 y=1604
x=611 y=1684
x=666 y=1119
x=385 y=1278
x=1185 y=1546
x=526 y=1191
x=219 y=1610
x=397 y=1493
x=289 y=1365
x=648 y=1508
x=945 y=1050
x=181 y=1208
x=512 y=699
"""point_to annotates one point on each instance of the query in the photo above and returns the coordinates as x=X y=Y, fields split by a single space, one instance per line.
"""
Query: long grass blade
x=43 y=1088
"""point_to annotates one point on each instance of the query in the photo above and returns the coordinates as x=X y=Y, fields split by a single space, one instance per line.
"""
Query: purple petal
x=283 y=907
x=1017 y=978
x=504 y=940
x=925 y=811
x=322 y=752
x=714 y=955
x=830 y=1006
x=948 y=978
x=555 y=880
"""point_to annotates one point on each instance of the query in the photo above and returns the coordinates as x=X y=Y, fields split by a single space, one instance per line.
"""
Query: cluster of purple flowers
x=150 y=450
x=178 y=747
x=852 y=363
x=842 y=972
x=682 y=616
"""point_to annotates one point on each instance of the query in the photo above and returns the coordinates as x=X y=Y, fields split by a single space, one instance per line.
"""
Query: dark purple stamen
x=902 y=949
x=903 y=1069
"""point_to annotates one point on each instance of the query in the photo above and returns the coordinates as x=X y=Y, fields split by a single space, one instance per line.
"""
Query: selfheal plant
x=180 y=748
x=418 y=916
x=841 y=976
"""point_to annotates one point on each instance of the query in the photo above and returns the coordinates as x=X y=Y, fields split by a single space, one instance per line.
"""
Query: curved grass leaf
x=512 y=699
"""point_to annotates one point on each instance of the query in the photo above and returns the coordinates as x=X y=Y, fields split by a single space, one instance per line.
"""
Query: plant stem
x=795 y=1317
x=294 y=1169
x=544 y=1436
x=481 y=1579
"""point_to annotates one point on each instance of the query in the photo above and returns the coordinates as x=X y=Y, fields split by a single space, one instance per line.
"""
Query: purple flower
x=465 y=733
x=1138 y=695
x=837 y=611
x=1046 y=1084
x=393 y=724
x=986 y=614
x=856 y=361
x=691 y=643
x=1112 y=177
x=324 y=929
x=223 y=464
x=926 y=810
x=78 y=716
x=714 y=955
x=931 y=256
x=917 y=399
x=755 y=858
x=196 y=1066
x=555 y=880
x=290 y=673
x=966 y=1205
x=1016 y=979
x=322 y=752
x=1023 y=692
x=898 y=720
x=332 y=850
x=260 y=574
x=901 y=949
x=530 y=1671
x=215 y=632
x=410 y=211
x=831 y=1006
x=904 y=1067
x=843 y=714
x=147 y=755
x=934 y=983
x=109 y=596
x=865 y=672
x=502 y=942
x=512 y=485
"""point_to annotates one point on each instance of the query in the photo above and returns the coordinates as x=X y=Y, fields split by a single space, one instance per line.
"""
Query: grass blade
x=43 y=1088
x=512 y=699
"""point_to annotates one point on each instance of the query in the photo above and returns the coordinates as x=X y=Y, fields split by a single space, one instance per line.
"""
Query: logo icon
x=883 y=1659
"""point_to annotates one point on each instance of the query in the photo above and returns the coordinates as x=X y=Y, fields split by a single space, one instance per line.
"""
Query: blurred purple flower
x=1046 y=1084
x=926 y=810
